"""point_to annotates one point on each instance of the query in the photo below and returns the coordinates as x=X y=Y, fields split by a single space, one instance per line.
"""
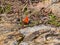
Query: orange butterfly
x=26 y=20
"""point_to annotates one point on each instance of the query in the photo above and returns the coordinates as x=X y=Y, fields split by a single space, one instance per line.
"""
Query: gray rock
x=29 y=30
x=55 y=1
x=23 y=43
x=56 y=9
x=14 y=43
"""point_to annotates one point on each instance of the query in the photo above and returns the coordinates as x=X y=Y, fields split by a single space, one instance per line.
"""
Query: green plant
x=52 y=17
x=53 y=20
x=7 y=8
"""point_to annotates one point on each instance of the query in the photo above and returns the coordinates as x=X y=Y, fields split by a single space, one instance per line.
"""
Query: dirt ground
x=21 y=22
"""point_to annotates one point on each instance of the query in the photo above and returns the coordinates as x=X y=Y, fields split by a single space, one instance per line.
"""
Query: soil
x=29 y=22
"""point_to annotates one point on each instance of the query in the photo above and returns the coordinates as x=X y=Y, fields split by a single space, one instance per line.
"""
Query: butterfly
x=26 y=20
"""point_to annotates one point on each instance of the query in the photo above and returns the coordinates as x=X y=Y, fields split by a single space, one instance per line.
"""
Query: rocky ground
x=41 y=28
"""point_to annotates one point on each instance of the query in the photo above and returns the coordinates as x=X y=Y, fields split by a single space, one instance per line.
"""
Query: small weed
x=7 y=8
x=53 y=20
x=52 y=17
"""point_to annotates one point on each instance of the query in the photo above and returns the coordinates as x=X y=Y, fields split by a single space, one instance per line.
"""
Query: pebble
x=14 y=43
x=23 y=43
x=55 y=1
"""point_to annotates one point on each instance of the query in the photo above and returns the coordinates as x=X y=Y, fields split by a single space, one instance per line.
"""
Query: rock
x=14 y=43
x=53 y=5
x=56 y=9
x=29 y=30
x=42 y=37
x=55 y=1
x=35 y=35
x=23 y=43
